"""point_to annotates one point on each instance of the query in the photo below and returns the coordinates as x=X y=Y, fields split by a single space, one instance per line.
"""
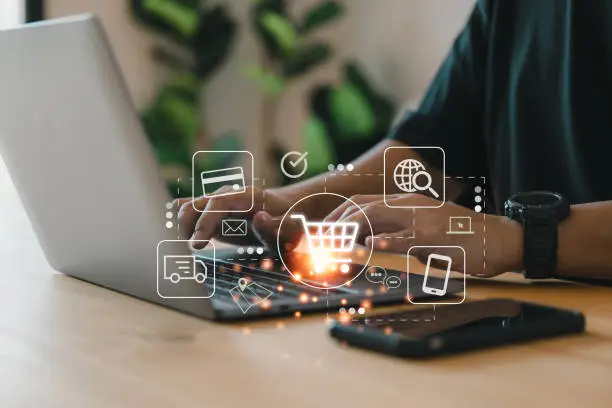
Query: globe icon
x=404 y=174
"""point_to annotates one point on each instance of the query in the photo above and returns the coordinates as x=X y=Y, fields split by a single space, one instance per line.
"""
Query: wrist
x=512 y=246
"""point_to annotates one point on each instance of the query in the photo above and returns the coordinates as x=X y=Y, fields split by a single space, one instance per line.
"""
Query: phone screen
x=446 y=329
x=422 y=323
x=443 y=263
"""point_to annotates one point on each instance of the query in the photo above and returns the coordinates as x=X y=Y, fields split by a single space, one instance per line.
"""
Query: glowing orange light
x=297 y=314
x=383 y=244
x=383 y=289
x=369 y=292
x=267 y=264
x=297 y=277
x=266 y=304
x=343 y=302
x=280 y=288
x=280 y=326
x=237 y=268
x=315 y=299
x=246 y=331
x=344 y=318
x=304 y=298
x=366 y=304
x=388 y=330
x=348 y=283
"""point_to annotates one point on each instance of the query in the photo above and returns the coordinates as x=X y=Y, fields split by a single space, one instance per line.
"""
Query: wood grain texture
x=66 y=343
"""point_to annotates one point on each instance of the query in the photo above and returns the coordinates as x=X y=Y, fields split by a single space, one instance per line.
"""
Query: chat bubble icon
x=376 y=274
x=393 y=282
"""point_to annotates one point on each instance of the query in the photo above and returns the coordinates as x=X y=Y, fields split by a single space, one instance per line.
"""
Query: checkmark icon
x=299 y=160
x=294 y=168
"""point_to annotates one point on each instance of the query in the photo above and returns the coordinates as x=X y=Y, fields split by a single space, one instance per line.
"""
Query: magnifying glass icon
x=425 y=186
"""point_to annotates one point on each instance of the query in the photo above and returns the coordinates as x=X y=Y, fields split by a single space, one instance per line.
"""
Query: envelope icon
x=234 y=228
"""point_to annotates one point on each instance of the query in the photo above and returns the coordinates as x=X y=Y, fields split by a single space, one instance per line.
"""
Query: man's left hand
x=494 y=247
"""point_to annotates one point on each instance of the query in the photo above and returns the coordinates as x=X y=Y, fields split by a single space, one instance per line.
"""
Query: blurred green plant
x=201 y=37
x=346 y=119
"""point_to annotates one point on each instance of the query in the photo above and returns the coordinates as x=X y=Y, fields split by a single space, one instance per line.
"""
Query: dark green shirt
x=524 y=98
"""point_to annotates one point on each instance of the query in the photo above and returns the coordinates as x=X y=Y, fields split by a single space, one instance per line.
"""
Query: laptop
x=89 y=181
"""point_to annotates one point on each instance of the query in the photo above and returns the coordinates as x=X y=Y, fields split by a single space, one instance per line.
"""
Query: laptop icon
x=460 y=225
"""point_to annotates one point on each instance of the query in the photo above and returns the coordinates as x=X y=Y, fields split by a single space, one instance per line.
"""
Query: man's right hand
x=202 y=225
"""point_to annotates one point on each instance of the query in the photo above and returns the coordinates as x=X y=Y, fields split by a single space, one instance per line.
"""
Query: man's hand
x=199 y=226
x=494 y=248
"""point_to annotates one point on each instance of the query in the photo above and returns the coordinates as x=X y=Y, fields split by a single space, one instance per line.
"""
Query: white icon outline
x=208 y=177
x=288 y=269
x=244 y=284
x=195 y=179
x=445 y=302
x=459 y=232
x=415 y=149
x=326 y=231
x=390 y=286
x=434 y=291
x=302 y=158
x=234 y=228
x=376 y=268
x=210 y=273
x=175 y=277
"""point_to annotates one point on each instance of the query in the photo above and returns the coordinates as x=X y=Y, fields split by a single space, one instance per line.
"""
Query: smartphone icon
x=445 y=262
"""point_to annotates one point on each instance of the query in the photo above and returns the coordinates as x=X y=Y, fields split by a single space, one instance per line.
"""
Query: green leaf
x=256 y=11
x=270 y=83
x=318 y=145
x=305 y=58
x=213 y=41
x=185 y=82
x=382 y=106
x=183 y=115
x=182 y=18
x=320 y=15
x=281 y=29
x=352 y=114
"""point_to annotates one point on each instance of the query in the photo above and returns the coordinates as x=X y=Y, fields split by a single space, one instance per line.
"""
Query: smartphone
x=428 y=332
x=445 y=263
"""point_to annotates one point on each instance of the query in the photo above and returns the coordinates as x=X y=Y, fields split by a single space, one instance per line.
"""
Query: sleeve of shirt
x=451 y=114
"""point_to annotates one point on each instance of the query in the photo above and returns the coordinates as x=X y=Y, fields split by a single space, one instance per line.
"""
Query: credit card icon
x=213 y=180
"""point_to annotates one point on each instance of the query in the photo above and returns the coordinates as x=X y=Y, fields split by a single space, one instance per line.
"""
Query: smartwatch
x=540 y=212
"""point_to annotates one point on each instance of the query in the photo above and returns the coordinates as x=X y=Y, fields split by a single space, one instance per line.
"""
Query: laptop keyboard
x=226 y=278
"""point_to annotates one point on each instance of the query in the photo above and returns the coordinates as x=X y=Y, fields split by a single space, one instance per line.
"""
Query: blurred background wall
x=399 y=42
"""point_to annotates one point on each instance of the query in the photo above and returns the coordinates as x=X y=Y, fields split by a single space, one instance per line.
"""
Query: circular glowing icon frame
x=280 y=254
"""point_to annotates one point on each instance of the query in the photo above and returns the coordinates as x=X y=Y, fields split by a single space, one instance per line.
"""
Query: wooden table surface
x=65 y=343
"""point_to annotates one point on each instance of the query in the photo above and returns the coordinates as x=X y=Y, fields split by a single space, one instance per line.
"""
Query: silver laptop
x=89 y=181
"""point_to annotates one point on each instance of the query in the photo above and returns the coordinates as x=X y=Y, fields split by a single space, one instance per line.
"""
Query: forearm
x=585 y=242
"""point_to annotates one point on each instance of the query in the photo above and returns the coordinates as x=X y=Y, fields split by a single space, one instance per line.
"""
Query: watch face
x=537 y=198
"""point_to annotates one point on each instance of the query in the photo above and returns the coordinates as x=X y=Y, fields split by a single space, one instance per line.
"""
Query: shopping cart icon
x=329 y=242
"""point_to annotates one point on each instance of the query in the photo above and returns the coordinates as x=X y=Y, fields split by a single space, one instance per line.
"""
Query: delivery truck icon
x=184 y=267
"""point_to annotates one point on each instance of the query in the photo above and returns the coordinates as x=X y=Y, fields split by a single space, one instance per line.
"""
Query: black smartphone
x=425 y=332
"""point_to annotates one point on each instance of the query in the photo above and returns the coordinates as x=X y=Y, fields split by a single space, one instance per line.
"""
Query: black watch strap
x=540 y=245
x=540 y=212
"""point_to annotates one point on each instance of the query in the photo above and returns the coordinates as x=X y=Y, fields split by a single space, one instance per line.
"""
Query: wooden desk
x=65 y=343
